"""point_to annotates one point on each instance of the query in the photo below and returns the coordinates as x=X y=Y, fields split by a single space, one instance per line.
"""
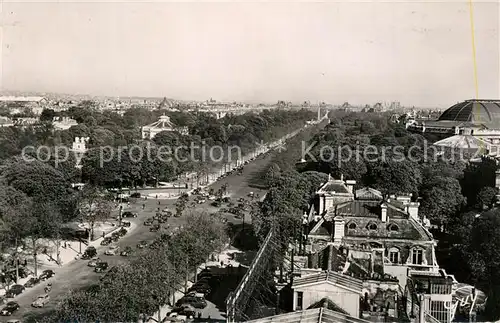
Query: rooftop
x=478 y=112
x=343 y=281
x=319 y=315
x=335 y=186
x=368 y=193
x=467 y=142
x=21 y=98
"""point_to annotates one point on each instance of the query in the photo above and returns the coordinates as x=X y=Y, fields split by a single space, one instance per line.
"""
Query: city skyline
x=416 y=53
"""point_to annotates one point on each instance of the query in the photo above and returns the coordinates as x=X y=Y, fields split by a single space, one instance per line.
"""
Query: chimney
x=413 y=210
x=350 y=185
x=329 y=263
x=404 y=199
x=339 y=230
x=383 y=208
x=497 y=179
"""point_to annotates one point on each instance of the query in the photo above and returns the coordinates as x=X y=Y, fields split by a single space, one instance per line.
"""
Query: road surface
x=77 y=274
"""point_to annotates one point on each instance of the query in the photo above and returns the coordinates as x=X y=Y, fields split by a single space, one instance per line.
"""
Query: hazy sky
x=419 y=53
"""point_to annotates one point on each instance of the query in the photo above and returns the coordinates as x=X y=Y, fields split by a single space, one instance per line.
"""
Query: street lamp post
x=305 y=224
x=120 y=215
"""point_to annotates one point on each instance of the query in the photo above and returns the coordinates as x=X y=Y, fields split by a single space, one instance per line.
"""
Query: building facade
x=163 y=124
x=382 y=236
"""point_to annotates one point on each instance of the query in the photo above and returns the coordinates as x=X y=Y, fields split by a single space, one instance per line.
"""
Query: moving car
x=101 y=267
x=31 y=282
x=15 y=290
x=9 y=309
x=93 y=262
x=46 y=274
x=89 y=253
x=155 y=228
x=106 y=241
x=126 y=224
x=126 y=252
x=113 y=250
x=129 y=214
x=41 y=301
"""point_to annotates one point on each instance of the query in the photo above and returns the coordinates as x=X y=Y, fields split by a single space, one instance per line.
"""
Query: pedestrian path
x=69 y=251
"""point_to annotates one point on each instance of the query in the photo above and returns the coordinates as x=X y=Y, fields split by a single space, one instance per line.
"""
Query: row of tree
x=107 y=128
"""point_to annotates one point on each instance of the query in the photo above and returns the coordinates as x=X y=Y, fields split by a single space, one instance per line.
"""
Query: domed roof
x=479 y=112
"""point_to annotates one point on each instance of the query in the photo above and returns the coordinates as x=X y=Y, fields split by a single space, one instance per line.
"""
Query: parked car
x=184 y=309
x=93 y=262
x=126 y=252
x=113 y=250
x=135 y=195
x=9 y=309
x=196 y=302
x=126 y=224
x=205 y=290
x=106 y=241
x=101 y=267
x=122 y=232
x=31 y=282
x=41 y=301
x=142 y=244
x=175 y=317
x=46 y=274
x=148 y=222
x=195 y=294
x=15 y=290
x=155 y=228
x=89 y=253
x=115 y=236
x=129 y=214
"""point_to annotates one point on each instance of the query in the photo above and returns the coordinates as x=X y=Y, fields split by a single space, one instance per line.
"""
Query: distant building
x=5 y=122
x=25 y=122
x=35 y=103
x=63 y=123
x=479 y=119
x=163 y=124
x=79 y=148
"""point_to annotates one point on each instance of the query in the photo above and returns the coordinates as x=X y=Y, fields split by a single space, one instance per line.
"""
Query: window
x=394 y=255
x=372 y=226
x=300 y=297
x=392 y=227
x=440 y=311
x=417 y=256
x=351 y=226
